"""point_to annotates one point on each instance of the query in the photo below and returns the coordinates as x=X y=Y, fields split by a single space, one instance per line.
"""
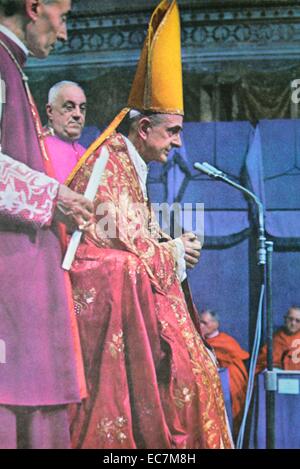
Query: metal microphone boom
x=265 y=250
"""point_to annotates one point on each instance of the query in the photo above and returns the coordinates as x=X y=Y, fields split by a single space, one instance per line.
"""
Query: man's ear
x=49 y=111
x=31 y=8
x=144 y=126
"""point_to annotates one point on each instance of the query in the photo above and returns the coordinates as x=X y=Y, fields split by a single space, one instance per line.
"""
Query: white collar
x=213 y=334
x=14 y=38
x=140 y=166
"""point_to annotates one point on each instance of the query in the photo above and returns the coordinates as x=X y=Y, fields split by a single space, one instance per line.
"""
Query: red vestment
x=286 y=352
x=151 y=381
x=230 y=355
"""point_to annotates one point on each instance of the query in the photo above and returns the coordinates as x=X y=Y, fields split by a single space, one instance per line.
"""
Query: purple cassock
x=35 y=330
x=64 y=156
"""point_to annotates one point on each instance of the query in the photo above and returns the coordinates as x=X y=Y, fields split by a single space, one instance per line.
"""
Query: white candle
x=90 y=193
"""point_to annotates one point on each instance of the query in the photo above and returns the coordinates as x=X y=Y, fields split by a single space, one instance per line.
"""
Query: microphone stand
x=264 y=252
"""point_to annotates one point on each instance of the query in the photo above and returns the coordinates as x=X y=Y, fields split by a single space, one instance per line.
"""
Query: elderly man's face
x=208 y=324
x=292 y=321
x=162 y=137
x=67 y=113
x=48 y=26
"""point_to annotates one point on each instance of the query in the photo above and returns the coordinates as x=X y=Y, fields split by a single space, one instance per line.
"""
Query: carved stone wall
x=238 y=56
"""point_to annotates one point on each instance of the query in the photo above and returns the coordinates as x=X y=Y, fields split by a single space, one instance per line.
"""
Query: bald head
x=59 y=87
x=66 y=110
x=209 y=323
x=292 y=320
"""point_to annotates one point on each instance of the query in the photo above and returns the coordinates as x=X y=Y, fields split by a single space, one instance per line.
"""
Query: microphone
x=211 y=171
x=208 y=169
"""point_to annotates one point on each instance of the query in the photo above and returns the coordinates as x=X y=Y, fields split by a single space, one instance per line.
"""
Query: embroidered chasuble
x=151 y=381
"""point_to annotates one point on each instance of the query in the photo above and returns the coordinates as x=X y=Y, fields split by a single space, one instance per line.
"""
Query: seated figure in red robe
x=152 y=382
x=286 y=344
x=229 y=355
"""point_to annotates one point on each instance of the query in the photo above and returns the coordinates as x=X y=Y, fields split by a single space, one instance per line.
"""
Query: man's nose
x=177 y=142
x=77 y=113
x=62 y=34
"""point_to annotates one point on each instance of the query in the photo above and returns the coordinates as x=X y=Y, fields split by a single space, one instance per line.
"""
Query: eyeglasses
x=288 y=318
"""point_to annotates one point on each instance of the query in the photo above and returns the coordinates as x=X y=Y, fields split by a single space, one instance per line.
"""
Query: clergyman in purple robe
x=39 y=372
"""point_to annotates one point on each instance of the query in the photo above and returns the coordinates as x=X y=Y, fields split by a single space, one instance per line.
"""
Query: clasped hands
x=192 y=247
x=73 y=210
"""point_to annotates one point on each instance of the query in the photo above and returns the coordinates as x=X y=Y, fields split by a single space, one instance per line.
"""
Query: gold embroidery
x=113 y=430
x=116 y=346
x=83 y=298
x=164 y=325
x=183 y=396
x=133 y=267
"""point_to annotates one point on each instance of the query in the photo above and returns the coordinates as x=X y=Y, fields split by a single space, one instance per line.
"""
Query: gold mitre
x=157 y=85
